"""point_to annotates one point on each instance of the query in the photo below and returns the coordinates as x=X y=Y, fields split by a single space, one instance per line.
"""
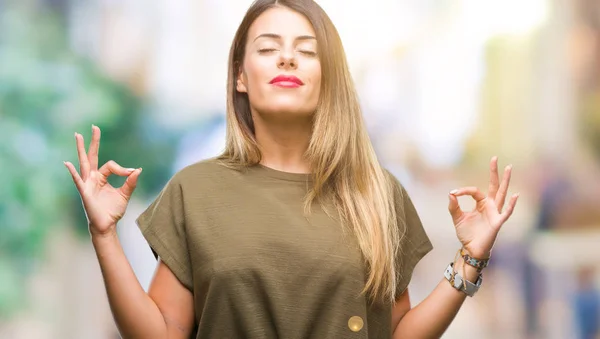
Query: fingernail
x=453 y=191
x=130 y=169
x=93 y=126
x=75 y=135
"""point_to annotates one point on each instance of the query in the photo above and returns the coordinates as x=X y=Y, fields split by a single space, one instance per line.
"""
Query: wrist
x=462 y=283
x=101 y=237
x=479 y=260
x=477 y=254
x=470 y=273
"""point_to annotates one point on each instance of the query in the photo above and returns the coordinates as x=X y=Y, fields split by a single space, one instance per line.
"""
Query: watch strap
x=461 y=284
x=479 y=264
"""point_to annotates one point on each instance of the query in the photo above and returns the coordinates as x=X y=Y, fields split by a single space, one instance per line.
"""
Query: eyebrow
x=278 y=37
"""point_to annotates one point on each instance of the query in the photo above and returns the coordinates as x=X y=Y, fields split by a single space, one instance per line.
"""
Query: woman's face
x=281 y=71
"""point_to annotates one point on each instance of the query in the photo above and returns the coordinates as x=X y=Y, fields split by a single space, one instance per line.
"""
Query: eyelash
x=268 y=50
x=309 y=53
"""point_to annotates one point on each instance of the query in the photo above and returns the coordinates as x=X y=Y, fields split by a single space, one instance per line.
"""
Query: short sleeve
x=414 y=243
x=163 y=226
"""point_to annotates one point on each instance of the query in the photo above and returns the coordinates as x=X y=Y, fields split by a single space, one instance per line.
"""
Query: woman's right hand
x=104 y=205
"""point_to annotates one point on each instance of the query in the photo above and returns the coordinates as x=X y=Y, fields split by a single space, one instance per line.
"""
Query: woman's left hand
x=477 y=230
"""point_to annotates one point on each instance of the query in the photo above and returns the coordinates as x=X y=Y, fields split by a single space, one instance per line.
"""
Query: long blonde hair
x=344 y=166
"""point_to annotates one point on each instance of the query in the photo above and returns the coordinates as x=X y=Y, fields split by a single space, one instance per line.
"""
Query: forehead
x=281 y=21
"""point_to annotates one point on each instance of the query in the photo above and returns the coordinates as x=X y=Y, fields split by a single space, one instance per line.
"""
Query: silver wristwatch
x=462 y=284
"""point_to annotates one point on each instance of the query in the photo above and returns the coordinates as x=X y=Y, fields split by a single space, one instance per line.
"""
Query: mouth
x=287 y=81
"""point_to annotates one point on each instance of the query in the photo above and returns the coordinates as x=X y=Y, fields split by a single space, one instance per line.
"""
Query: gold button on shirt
x=355 y=323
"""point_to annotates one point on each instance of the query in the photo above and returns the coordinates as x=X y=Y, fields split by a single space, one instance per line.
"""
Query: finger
x=76 y=178
x=503 y=190
x=131 y=183
x=94 y=148
x=472 y=191
x=454 y=208
x=84 y=165
x=510 y=208
x=494 y=181
x=112 y=167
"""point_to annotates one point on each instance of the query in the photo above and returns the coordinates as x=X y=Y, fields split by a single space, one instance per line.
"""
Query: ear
x=241 y=81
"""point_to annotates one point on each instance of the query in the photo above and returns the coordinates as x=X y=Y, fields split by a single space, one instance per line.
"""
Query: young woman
x=295 y=231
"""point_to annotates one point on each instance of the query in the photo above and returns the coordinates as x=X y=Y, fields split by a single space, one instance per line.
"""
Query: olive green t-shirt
x=258 y=266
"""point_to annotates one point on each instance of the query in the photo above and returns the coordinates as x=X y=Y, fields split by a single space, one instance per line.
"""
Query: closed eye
x=271 y=50
x=309 y=53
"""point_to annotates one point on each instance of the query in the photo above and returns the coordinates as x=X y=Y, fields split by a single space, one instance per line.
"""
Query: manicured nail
x=453 y=191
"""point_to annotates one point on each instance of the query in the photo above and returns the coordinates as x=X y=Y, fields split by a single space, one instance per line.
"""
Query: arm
x=432 y=316
x=165 y=312
x=477 y=230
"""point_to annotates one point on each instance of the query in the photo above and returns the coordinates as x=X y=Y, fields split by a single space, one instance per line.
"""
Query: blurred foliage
x=590 y=122
x=46 y=94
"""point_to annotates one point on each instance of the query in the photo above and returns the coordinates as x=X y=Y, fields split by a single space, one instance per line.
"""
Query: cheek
x=257 y=71
x=316 y=83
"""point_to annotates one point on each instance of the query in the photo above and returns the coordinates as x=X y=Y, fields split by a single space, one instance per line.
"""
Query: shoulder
x=402 y=200
x=203 y=172
x=394 y=184
x=206 y=179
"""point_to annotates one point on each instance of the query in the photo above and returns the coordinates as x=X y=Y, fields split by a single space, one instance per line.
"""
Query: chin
x=296 y=110
x=289 y=105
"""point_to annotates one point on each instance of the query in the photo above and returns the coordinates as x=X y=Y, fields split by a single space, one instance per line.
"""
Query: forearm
x=432 y=316
x=135 y=313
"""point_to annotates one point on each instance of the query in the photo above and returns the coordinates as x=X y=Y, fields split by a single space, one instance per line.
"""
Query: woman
x=295 y=231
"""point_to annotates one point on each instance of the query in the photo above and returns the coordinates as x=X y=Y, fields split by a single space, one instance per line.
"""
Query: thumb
x=112 y=167
x=130 y=183
x=454 y=208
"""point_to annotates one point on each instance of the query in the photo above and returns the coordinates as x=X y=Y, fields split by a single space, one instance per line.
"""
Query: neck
x=282 y=145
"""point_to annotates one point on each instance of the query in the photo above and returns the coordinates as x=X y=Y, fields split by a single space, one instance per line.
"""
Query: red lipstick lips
x=287 y=81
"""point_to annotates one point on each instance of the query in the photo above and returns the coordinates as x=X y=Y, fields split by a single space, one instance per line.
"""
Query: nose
x=287 y=60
